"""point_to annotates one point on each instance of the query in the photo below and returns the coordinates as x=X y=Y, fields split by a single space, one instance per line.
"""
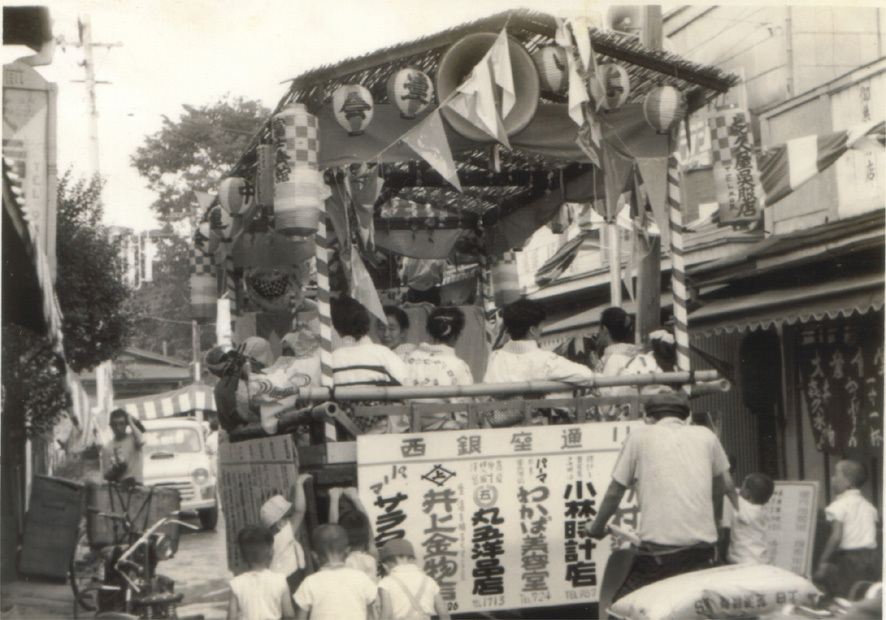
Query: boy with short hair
x=259 y=593
x=407 y=593
x=850 y=554
x=748 y=521
x=335 y=591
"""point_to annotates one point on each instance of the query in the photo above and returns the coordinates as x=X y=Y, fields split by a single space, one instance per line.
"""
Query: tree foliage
x=187 y=155
x=90 y=287
x=194 y=152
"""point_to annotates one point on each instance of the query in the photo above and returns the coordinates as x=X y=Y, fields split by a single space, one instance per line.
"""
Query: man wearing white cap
x=284 y=518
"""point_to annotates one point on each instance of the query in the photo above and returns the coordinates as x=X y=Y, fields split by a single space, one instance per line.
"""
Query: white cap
x=273 y=510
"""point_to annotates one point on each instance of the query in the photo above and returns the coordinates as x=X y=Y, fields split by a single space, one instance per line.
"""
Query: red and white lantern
x=616 y=84
x=353 y=108
x=550 y=61
x=664 y=108
x=411 y=90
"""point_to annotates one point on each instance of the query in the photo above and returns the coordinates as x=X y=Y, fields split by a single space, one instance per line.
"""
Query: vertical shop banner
x=497 y=515
x=841 y=383
x=736 y=176
x=249 y=474
x=791 y=525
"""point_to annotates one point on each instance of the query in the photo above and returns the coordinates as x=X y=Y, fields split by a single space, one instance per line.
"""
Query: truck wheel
x=208 y=518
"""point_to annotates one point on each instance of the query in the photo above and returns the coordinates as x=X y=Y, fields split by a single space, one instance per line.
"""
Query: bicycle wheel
x=86 y=572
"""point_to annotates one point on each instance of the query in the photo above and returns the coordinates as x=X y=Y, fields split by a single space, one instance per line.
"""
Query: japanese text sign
x=736 y=177
x=250 y=473
x=497 y=516
x=791 y=525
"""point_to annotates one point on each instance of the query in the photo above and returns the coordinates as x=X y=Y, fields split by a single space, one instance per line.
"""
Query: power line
x=158 y=318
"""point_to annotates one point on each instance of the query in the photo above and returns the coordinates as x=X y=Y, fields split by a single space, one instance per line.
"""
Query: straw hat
x=273 y=510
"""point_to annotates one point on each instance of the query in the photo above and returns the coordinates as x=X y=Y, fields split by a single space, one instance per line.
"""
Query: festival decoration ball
x=235 y=195
x=411 y=90
x=552 y=69
x=353 y=108
x=664 y=108
x=616 y=84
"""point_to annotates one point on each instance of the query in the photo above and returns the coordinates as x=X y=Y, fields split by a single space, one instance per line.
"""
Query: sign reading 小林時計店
x=496 y=515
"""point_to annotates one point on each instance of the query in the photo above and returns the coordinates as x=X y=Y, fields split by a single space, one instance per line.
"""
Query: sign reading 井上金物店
x=736 y=176
x=496 y=516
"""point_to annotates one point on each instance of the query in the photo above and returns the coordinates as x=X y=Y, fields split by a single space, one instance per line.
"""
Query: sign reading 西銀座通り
x=496 y=516
x=736 y=176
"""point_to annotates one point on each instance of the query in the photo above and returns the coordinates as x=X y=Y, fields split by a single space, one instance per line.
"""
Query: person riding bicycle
x=121 y=457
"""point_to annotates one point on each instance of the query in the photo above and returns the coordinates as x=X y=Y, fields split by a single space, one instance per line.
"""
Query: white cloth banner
x=496 y=516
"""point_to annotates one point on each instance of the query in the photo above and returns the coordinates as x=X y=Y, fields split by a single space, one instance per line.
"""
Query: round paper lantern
x=664 y=107
x=411 y=90
x=616 y=84
x=235 y=195
x=550 y=61
x=353 y=108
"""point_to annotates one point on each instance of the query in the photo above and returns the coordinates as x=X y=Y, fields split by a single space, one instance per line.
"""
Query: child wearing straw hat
x=283 y=519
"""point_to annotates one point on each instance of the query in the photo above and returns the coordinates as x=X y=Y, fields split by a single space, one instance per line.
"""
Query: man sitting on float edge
x=680 y=473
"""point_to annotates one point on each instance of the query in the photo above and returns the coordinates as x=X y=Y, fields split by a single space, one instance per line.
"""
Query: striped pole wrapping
x=678 y=266
x=321 y=244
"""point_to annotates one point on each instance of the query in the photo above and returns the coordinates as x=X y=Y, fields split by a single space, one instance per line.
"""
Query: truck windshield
x=173 y=440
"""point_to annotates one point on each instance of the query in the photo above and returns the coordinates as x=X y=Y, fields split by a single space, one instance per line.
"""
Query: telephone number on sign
x=489 y=601
x=534 y=598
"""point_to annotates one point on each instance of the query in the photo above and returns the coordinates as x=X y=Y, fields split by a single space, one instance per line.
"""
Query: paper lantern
x=296 y=176
x=411 y=90
x=550 y=61
x=506 y=280
x=353 y=108
x=664 y=108
x=235 y=195
x=616 y=84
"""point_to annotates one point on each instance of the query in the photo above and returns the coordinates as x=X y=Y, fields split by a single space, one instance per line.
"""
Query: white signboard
x=496 y=516
x=791 y=512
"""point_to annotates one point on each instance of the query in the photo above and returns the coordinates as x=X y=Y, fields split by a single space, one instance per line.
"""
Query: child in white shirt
x=850 y=555
x=335 y=592
x=284 y=519
x=748 y=521
x=407 y=592
x=259 y=593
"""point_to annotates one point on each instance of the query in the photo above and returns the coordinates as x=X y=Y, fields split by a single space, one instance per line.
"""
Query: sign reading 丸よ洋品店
x=496 y=515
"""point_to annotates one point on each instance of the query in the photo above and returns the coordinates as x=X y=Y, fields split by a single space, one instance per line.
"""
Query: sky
x=175 y=52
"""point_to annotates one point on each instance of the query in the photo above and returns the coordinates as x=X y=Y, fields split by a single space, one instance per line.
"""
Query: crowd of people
x=693 y=516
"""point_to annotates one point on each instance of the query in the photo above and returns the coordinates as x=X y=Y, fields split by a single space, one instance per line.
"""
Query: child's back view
x=747 y=540
x=335 y=591
x=850 y=554
x=407 y=593
x=259 y=593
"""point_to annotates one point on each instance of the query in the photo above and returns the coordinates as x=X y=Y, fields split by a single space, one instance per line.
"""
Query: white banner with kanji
x=496 y=516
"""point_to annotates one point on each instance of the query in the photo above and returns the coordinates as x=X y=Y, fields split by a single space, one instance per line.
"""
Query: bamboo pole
x=370 y=392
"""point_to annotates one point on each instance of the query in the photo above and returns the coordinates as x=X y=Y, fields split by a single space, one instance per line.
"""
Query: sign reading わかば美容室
x=496 y=515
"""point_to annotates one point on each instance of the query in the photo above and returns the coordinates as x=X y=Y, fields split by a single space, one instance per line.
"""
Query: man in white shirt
x=680 y=473
x=521 y=359
x=121 y=457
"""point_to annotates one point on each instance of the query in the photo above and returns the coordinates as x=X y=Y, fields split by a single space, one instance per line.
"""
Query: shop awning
x=585 y=322
x=776 y=307
x=196 y=396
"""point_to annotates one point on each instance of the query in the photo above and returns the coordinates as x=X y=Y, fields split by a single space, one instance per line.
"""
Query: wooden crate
x=51 y=527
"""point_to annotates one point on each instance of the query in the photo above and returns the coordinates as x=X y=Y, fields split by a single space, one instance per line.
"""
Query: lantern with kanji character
x=616 y=84
x=296 y=177
x=550 y=61
x=235 y=195
x=411 y=90
x=664 y=108
x=353 y=108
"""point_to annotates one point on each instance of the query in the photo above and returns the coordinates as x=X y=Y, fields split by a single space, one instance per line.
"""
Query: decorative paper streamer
x=428 y=140
x=678 y=266
x=504 y=74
